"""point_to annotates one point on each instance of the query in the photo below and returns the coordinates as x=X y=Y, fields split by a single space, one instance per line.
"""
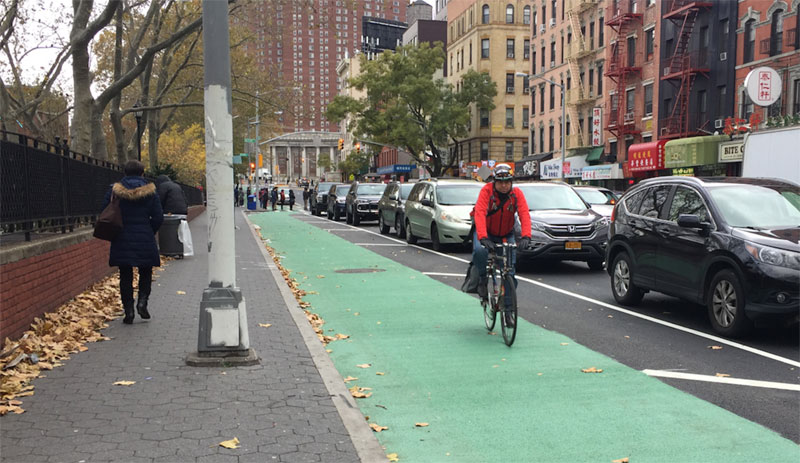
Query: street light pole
x=563 y=116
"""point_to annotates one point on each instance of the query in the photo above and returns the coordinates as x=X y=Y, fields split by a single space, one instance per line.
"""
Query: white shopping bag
x=185 y=236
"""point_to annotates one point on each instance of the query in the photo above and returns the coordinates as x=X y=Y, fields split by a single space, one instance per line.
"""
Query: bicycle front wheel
x=508 y=319
x=490 y=306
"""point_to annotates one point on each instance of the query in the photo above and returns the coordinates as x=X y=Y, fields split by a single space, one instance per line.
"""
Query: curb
x=362 y=436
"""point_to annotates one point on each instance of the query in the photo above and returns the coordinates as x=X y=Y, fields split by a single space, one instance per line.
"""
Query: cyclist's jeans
x=480 y=256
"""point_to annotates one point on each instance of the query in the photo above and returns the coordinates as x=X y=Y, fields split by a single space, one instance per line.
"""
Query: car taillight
x=614 y=212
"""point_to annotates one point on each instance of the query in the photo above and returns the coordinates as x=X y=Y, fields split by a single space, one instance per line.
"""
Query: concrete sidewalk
x=280 y=410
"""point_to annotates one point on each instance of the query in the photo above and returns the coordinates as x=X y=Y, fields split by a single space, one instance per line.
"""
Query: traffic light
x=358 y=147
x=341 y=144
x=252 y=167
x=260 y=160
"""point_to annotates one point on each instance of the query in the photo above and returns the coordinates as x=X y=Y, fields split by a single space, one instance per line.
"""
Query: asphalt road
x=664 y=335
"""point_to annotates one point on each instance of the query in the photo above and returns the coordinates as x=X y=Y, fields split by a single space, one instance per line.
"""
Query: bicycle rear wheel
x=490 y=306
x=510 y=310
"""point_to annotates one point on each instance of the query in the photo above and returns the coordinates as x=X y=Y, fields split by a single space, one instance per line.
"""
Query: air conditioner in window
x=509 y=89
x=552 y=64
x=552 y=22
x=526 y=91
x=723 y=56
x=666 y=70
x=719 y=123
x=664 y=131
x=629 y=117
x=542 y=28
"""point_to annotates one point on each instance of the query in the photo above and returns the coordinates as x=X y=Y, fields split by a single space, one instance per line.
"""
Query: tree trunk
x=80 y=132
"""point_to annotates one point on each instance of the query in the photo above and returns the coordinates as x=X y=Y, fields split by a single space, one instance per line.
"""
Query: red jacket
x=500 y=223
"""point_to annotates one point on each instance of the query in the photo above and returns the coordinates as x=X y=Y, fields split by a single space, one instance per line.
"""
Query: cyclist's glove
x=488 y=244
x=524 y=242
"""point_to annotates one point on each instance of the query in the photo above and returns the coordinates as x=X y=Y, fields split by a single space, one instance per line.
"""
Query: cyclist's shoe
x=482 y=291
x=510 y=322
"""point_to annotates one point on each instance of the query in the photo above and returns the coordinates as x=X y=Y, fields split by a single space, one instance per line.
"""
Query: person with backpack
x=291 y=199
x=494 y=220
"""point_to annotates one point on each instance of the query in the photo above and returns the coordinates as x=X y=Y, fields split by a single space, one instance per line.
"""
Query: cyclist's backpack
x=471 y=281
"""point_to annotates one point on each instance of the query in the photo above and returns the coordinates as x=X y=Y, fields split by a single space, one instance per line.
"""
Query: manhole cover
x=360 y=270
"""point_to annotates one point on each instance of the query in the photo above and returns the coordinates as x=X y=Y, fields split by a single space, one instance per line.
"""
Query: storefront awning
x=542 y=156
x=646 y=156
x=595 y=154
x=694 y=151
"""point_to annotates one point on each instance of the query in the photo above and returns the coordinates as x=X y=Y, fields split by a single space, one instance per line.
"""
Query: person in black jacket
x=173 y=201
x=135 y=246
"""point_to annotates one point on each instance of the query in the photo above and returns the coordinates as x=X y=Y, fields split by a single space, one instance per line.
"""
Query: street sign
x=237 y=159
x=763 y=86
x=249 y=140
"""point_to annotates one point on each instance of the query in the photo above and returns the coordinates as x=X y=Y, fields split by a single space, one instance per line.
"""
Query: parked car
x=730 y=244
x=563 y=226
x=391 y=208
x=301 y=182
x=337 y=195
x=601 y=199
x=362 y=201
x=318 y=202
x=439 y=210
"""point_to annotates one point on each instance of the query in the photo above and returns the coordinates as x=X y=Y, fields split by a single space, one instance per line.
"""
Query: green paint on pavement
x=484 y=401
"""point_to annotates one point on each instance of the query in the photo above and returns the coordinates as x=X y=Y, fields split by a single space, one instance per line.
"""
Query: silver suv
x=438 y=209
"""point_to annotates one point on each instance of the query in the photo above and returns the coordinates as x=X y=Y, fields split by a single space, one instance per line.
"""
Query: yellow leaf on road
x=380 y=373
x=350 y=378
x=230 y=444
x=124 y=383
x=358 y=393
x=364 y=365
x=420 y=425
x=621 y=460
x=265 y=325
x=723 y=375
x=320 y=276
x=392 y=457
x=377 y=428
x=564 y=343
x=181 y=292
x=592 y=370
x=342 y=336
x=715 y=347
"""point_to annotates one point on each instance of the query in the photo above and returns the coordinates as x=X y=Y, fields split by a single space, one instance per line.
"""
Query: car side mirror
x=692 y=221
x=426 y=202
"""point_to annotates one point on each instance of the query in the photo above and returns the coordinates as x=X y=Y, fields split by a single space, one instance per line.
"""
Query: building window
x=510 y=82
x=776 y=34
x=533 y=61
x=541 y=139
x=509 y=14
x=702 y=103
x=526 y=15
x=510 y=117
x=552 y=138
x=470 y=53
x=484 y=151
x=749 y=40
x=630 y=97
x=554 y=9
x=591 y=35
x=591 y=80
x=612 y=148
x=484 y=118
x=534 y=24
x=722 y=93
x=631 y=51
x=599 y=79
x=541 y=99
x=509 y=151
x=510 y=48
x=544 y=50
x=552 y=96
x=747 y=106
x=525 y=149
x=552 y=54
x=600 y=32
x=648 y=100
x=484 y=48
x=526 y=49
x=649 y=41
x=526 y=115
x=485 y=18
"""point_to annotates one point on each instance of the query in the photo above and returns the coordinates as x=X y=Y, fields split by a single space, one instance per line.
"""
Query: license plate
x=572 y=245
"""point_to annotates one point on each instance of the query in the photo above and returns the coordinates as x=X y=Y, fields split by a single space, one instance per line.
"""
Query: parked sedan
x=362 y=201
x=337 y=195
x=601 y=199
x=439 y=210
x=319 y=197
x=730 y=244
x=563 y=226
x=391 y=208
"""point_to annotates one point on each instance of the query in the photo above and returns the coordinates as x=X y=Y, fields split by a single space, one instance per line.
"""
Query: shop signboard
x=683 y=171
x=551 y=169
x=643 y=157
x=597 y=126
x=573 y=167
x=731 y=151
x=763 y=86
x=694 y=151
x=601 y=172
x=526 y=168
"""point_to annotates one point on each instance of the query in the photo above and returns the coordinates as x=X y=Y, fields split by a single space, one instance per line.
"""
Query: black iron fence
x=46 y=187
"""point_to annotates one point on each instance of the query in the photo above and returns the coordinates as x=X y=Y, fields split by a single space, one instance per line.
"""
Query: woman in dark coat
x=136 y=244
x=273 y=197
x=291 y=199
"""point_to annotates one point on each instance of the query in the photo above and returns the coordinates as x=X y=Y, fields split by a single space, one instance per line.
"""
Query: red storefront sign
x=646 y=156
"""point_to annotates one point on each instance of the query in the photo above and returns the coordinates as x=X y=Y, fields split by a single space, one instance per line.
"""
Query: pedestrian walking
x=173 y=201
x=135 y=246
x=262 y=198
x=235 y=195
x=291 y=199
x=274 y=197
x=283 y=198
x=306 y=196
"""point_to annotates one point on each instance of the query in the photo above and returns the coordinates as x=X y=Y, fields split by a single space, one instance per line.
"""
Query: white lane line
x=723 y=380
x=381 y=244
x=344 y=229
x=437 y=274
x=700 y=334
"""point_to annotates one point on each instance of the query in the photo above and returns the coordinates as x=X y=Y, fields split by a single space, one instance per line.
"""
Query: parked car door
x=427 y=209
x=682 y=251
x=412 y=205
x=388 y=203
x=643 y=238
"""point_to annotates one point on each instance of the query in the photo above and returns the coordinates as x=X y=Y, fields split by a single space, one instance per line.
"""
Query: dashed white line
x=722 y=380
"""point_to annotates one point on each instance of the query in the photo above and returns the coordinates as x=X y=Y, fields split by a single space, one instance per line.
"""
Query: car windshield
x=752 y=206
x=548 y=197
x=371 y=188
x=405 y=190
x=342 y=189
x=458 y=195
x=593 y=196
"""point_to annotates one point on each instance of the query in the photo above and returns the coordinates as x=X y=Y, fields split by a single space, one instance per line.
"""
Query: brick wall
x=40 y=276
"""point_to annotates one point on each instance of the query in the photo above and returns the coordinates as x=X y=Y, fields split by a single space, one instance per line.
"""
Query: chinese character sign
x=763 y=85
x=597 y=126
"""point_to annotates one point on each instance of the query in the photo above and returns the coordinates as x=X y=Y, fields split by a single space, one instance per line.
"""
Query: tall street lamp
x=563 y=116
x=138 y=113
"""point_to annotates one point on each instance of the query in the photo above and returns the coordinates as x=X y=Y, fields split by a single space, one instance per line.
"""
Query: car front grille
x=368 y=207
x=570 y=231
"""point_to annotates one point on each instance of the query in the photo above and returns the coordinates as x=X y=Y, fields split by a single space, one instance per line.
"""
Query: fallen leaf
x=320 y=276
x=610 y=316
x=124 y=383
x=592 y=370
x=377 y=428
x=392 y=457
x=350 y=378
x=722 y=375
x=357 y=392
x=715 y=347
x=420 y=425
x=380 y=373
x=564 y=343
x=621 y=460
x=364 y=365
x=181 y=292
x=265 y=325
x=342 y=336
x=230 y=444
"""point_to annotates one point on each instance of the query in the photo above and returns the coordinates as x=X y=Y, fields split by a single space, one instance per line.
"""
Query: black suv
x=728 y=243
x=362 y=201
x=318 y=202
x=337 y=195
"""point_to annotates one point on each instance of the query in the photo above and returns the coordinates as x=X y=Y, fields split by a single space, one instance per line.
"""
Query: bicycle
x=500 y=283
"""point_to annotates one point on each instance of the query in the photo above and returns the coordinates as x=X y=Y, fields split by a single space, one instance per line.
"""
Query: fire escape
x=683 y=66
x=623 y=17
x=577 y=96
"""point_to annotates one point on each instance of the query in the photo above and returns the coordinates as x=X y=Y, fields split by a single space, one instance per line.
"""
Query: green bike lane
x=482 y=400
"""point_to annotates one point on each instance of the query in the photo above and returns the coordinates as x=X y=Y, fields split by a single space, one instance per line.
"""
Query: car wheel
x=625 y=292
x=356 y=218
x=436 y=244
x=382 y=227
x=595 y=264
x=726 y=303
x=410 y=238
x=399 y=228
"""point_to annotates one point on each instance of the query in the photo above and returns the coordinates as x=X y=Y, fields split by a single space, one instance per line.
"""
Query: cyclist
x=493 y=216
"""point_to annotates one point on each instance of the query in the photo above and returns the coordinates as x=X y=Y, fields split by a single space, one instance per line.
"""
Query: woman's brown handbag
x=109 y=223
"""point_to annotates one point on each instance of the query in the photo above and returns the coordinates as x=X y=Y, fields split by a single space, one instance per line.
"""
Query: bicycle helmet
x=503 y=172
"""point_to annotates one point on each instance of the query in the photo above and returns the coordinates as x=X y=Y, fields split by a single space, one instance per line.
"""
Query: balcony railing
x=619 y=10
x=694 y=61
x=791 y=38
x=772 y=46
x=580 y=5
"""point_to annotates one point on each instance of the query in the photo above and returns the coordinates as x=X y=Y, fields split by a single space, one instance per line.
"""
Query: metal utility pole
x=223 y=336
x=257 y=150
